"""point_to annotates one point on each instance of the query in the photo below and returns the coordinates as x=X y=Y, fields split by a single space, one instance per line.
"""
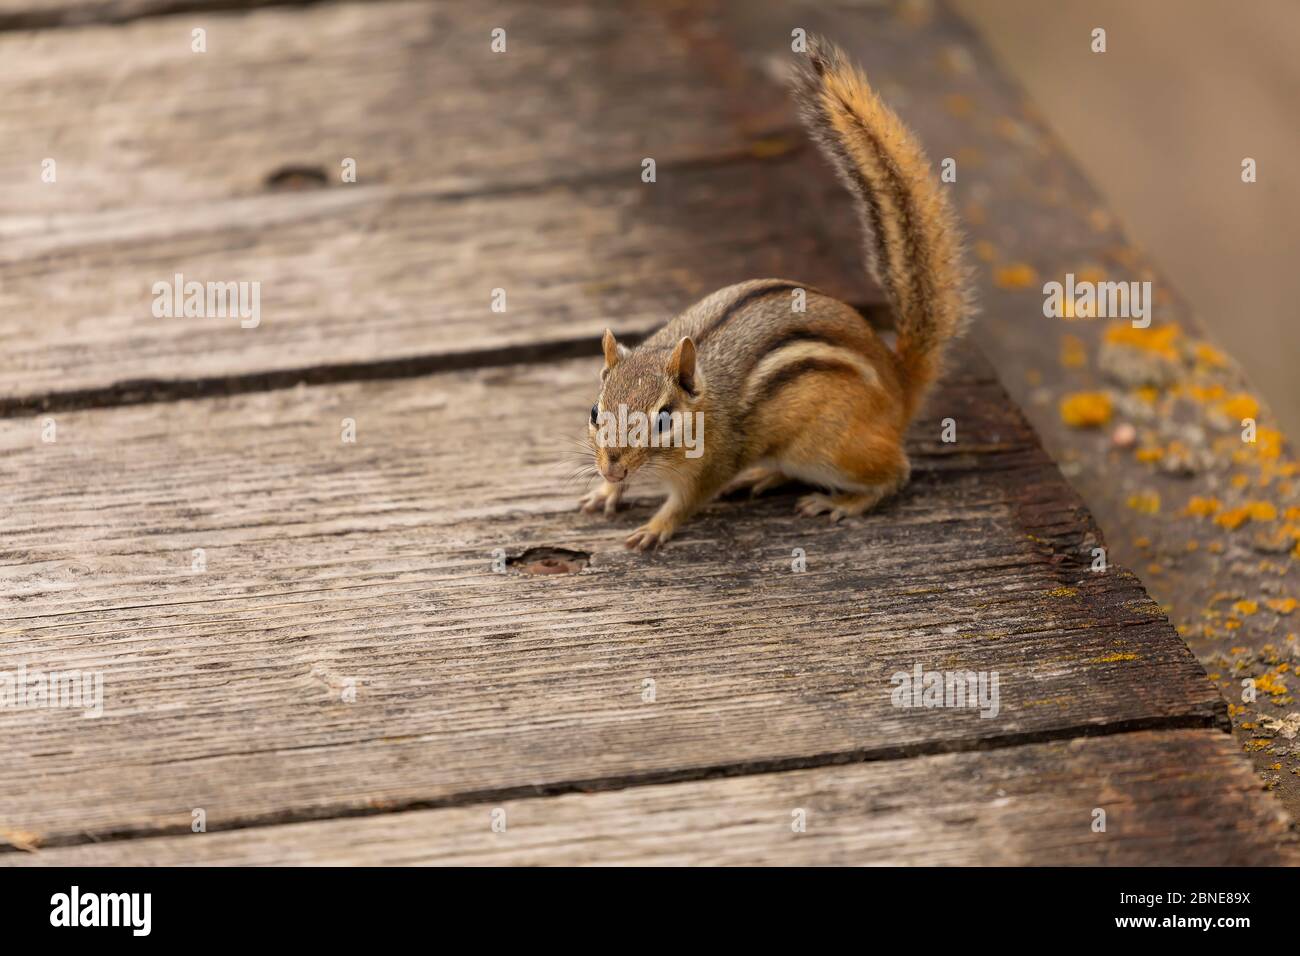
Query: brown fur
x=812 y=395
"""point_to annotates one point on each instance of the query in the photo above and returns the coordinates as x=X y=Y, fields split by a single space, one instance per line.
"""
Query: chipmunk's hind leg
x=863 y=466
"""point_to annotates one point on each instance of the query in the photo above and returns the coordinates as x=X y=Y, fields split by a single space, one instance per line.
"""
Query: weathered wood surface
x=410 y=90
x=333 y=569
x=1228 y=579
x=1179 y=796
x=477 y=172
x=365 y=276
x=372 y=562
x=40 y=14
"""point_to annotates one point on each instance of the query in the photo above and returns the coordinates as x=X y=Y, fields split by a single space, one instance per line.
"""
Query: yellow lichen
x=1233 y=518
x=1282 y=605
x=1085 y=409
x=1199 y=507
x=1208 y=355
x=1115 y=658
x=1159 y=340
x=1240 y=406
x=1261 y=510
x=1145 y=502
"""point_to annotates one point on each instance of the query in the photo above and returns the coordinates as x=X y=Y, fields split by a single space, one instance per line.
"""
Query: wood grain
x=371 y=563
x=348 y=277
x=1170 y=798
x=410 y=90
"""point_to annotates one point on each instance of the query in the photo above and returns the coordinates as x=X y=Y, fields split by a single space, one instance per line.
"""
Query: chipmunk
x=808 y=395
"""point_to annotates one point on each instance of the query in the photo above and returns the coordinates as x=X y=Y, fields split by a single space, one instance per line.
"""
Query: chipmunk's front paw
x=650 y=535
x=605 y=498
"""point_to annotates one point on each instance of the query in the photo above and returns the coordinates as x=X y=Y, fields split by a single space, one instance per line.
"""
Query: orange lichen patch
x=1154 y=568
x=1233 y=518
x=1240 y=481
x=1160 y=340
x=1262 y=510
x=1073 y=353
x=1063 y=592
x=1282 y=605
x=1142 y=542
x=1018 y=275
x=1268 y=443
x=1115 y=658
x=1208 y=355
x=1270 y=683
x=1145 y=502
x=1148 y=455
x=1246 y=608
x=1240 y=406
x=1205 y=393
x=1215 y=547
x=1234 y=709
x=1199 y=507
x=985 y=251
x=1147 y=393
x=1192 y=544
x=1256 y=744
x=1085 y=409
x=1231 y=623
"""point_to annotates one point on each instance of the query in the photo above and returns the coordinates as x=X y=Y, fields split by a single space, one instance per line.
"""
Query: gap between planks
x=766 y=767
x=154 y=390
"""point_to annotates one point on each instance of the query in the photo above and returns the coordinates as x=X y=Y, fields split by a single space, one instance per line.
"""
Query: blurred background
x=1160 y=124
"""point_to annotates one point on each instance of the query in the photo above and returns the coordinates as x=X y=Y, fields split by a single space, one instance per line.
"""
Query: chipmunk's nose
x=615 y=471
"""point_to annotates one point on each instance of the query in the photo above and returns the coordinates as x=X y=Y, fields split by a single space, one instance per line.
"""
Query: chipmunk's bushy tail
x=914 y=248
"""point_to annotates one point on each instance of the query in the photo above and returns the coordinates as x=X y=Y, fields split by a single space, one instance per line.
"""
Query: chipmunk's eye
x=664 y=419
x=595 y=410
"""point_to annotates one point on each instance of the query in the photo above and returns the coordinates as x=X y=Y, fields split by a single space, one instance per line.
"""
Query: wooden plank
x=1170 y=798
x=519 y=171
x=1033 y=217
x=42 y=14
x=349 y=277
x=412 y=91
x=371 y=562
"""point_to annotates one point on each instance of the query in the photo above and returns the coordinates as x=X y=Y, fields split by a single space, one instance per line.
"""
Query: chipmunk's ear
x=681 y=366
x=613 y=351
